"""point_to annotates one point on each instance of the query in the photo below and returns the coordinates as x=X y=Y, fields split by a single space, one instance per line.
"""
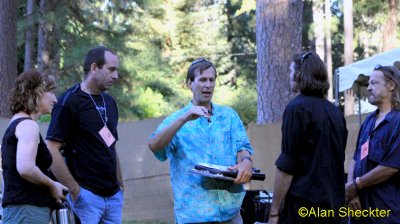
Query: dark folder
x=223 y=170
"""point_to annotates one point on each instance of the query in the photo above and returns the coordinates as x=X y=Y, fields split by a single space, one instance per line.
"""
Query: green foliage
x=156 y=40
x=369 y=18
x=44 y=118
x=151 y=104
x=337 y=34
x=245 y=102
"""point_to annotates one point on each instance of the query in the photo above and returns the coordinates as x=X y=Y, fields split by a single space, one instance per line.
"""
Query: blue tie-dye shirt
x=197 y=198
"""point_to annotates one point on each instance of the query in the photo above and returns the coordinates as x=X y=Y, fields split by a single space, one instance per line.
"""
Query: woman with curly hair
x=28 y=193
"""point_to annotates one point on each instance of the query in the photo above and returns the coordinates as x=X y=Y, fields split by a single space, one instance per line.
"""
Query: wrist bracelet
x=357 y=183
x=246 y=157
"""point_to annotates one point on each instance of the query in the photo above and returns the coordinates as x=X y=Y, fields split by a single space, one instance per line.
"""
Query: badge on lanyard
x=106 y=135
x=364 y=150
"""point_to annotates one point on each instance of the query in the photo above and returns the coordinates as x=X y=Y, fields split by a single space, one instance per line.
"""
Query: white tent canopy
x=349 y=73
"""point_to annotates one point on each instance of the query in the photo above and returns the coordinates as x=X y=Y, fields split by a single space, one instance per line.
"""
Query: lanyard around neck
x=97 y=107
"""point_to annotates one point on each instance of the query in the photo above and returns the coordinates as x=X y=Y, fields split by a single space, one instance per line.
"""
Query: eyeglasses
x=304 y=56
x=383 y=68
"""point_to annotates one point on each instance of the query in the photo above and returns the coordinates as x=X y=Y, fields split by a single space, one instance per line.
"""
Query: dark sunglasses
x=382 y=68
x=304 y=56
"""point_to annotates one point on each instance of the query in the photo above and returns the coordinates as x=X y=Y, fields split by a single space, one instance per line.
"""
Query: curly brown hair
x=29 y=87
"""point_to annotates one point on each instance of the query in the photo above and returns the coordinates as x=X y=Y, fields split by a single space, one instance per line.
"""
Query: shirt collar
x=214 y=108
x=390 y=117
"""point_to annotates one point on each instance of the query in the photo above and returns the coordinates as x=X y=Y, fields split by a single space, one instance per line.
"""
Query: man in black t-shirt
x=84 y=126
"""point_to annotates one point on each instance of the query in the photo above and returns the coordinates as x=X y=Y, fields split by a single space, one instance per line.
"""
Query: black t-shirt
x=314 y=139
x=76 y=122
x=17 y=190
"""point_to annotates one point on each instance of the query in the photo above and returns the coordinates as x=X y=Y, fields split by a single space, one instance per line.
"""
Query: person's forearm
x=163 y=138
x=350 y=186
x=281 y=186
x=243 y=166
x=242 y=155
x=350 y=177
x=119 y=173
x=60 y=169
x=34 y=175
x=375 y=176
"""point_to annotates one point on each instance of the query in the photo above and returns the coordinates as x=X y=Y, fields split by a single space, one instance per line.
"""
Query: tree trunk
x=48 y=41
x=321 y=21
x=8 y=52
x=348 y=52
x=390 y=27
x=278 y=33
x=328 y=48
x=29 y=38
x=318 y=22
x=41 y=57
x=307 y=42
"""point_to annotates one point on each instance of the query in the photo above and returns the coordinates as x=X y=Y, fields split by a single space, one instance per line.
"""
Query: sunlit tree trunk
x=390 y=27
x=318 y=23
x=328 y=47
x=322 y=37
x=278 y=33
x=8 y=52
x=348 y=52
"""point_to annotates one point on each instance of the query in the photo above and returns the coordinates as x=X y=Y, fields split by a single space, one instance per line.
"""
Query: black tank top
x=16 y=189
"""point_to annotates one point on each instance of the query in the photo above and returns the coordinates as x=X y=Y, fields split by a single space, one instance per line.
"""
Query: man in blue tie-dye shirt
x=203 y=132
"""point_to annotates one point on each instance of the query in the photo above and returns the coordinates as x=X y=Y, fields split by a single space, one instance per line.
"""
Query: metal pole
x=336 y=78
x=359 y=106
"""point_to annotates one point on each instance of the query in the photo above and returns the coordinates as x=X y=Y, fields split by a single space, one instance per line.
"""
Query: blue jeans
x=15 y=214
x=93 y=208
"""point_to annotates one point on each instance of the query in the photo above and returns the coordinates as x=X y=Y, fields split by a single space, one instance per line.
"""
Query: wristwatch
x=246 y=157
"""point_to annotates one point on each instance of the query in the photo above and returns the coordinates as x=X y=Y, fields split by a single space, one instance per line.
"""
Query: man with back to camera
x=374 y=181
x=84 y=122
x=310 y=168
x=204 y=132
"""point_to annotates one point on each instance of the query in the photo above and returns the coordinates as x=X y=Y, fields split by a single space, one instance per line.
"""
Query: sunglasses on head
x=382 y=68
x=198 y=61
x=304 y=56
